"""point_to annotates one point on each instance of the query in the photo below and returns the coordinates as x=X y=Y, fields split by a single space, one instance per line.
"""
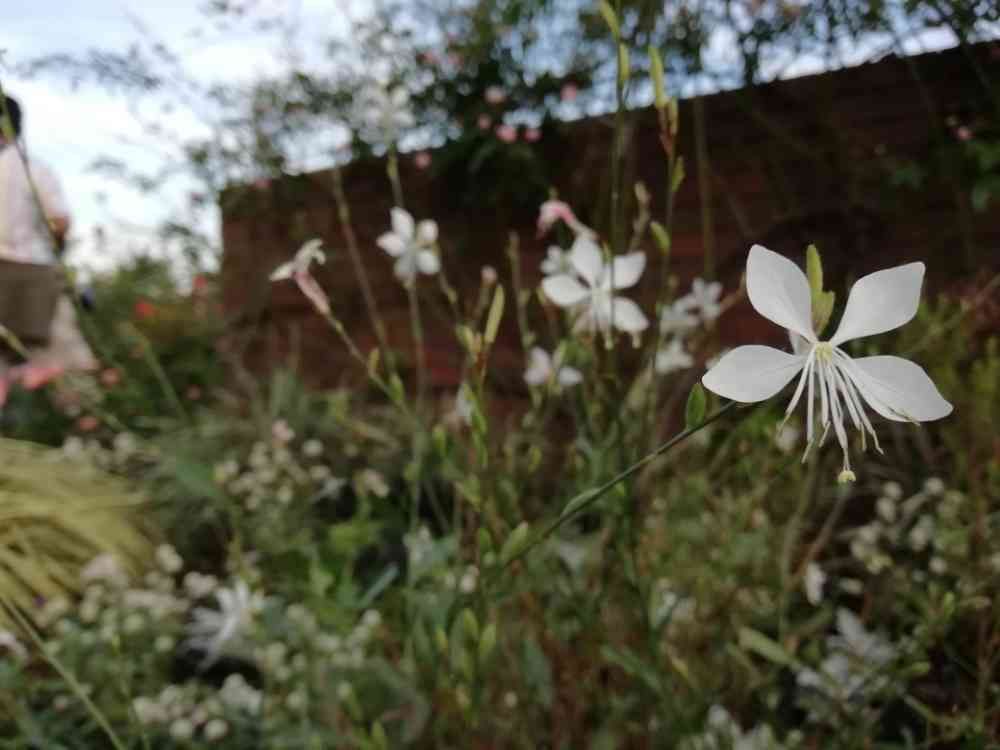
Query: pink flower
x=484 y=122
x=568 y=92
x=495 y=95
x=110 y=377
x=963 y=133
x=552 y=211
x=531 y=135
x=422 y=160
x=87 y=423
x=506 y=133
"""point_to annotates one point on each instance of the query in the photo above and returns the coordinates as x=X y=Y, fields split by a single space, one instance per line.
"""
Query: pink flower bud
x=532 y=135
x=506 y=133
x=495 y=95
x=484 y=122
x=422 y=160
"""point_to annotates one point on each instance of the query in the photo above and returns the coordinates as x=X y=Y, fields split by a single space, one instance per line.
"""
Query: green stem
x=610 y=484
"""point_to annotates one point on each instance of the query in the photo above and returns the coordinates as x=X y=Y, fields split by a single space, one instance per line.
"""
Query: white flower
x=556 y=261
x=411 y=245
x=703 y=298
x=214 y=631
x=599 y=307
x=813 y=583
x=237 y=694
x=168 y=559
x=105 y=568
x=9 y=642
x=297 y=269
x=895 y=388
x=672 y=357
x=387 y=110
x=543 y=368
x=675 y=318
x=216 y=729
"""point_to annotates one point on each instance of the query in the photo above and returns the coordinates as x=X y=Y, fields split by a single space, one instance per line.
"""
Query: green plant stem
x=154 y=364
x=602 y=489
x=64 y=673
x=351 y=240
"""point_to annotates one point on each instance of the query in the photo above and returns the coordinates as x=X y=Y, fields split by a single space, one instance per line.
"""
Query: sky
x=69 y=128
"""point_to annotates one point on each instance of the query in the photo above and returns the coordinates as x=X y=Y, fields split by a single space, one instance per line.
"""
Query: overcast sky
x=69 y=128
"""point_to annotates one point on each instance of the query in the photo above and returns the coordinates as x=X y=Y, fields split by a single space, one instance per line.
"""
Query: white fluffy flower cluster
x=854 y=669
x=723 y=733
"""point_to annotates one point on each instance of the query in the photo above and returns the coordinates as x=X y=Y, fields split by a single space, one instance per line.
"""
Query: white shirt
x=24 y=236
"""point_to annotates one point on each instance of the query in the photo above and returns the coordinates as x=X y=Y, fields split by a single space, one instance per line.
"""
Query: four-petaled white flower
x=298 y=270
x=598 y=306
x=703 y=298
x=544 y=369
x=412 y=245
x=216 y=631
x=894 y=387
x=672 y=358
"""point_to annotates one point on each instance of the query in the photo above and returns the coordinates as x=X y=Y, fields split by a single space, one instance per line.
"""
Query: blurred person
x=34 y=222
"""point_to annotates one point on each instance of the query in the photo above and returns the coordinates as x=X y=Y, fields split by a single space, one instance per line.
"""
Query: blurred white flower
x=9 y=642
x=281 y=432
x=675 y=318
x=412 y=245
x=597 y=306
x=672 y=358
x=813 y=583
x=298 y=269
x=495 y=95
x=544 y=369
x=105 y=568
x=216 y=631
x=239 y=695
x=703 y=299
x=556 y=261
x=168 y=559
x=198 y=585
x=387 y=110
x=216 y=729
x=895 y=388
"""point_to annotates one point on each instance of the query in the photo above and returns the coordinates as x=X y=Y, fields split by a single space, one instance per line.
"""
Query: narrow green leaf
x=496 y=314
x=656 y=71
x=608 y=13
x=578 y=502
x=760 y=644
x=694 y=410
x=487 y=642
x=515 y=542
x=662 y=238
x=678 y=176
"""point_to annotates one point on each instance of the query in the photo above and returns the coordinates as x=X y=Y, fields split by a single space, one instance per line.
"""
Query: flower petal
x=284 y=271
x=406 y=267
x=569 y=376
x=539 y=367
x=586 y=258
x=427 y=232
x=880 y=302
x=626 y=269
x=627 y=316
x=752 y=373
x=564 y=290
x=899 y=389
x=779 y=291
x=428 y=262
x=392 y=243
x=309 y=252
x=402 y=223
